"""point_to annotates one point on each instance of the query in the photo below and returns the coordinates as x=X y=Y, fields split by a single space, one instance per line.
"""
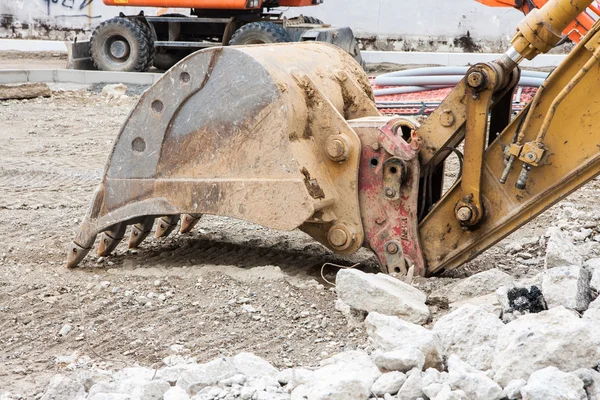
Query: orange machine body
x=205 y=4
x=575 y=31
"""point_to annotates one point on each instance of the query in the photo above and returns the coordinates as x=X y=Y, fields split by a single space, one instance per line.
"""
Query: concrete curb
x=76 y=76
x=372 y=57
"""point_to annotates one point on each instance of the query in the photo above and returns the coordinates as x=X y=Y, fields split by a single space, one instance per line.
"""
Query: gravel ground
x=227 y=287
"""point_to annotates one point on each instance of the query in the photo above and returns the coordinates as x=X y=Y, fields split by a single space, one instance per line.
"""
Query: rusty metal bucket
x=231 y=131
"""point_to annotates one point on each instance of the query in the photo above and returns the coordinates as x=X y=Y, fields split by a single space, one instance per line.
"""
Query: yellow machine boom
x=295 y=141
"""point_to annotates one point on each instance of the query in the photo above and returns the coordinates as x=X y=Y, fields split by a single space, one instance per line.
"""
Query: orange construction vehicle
x=136 y=42
x=575 y=31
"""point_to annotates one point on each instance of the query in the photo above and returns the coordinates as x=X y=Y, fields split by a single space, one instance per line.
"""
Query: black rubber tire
x=259 y=33
x=138 y=44
x=151 y=37
x=312 y=20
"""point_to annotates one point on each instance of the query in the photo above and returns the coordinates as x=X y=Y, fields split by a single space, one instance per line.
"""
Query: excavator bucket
x=277 y=135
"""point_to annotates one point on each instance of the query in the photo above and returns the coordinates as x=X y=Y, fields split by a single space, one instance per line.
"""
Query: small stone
x=475 y=384
x=560 y=251
x=513 y=389
x=176 y=393
x=412 y=387
x=64 y=331
x=568 y=287
x=253 y=366
x=481 y=284
x=552 y=383
x=390 y=382
x=399 y=360
x=391 y=333
x=104 y=284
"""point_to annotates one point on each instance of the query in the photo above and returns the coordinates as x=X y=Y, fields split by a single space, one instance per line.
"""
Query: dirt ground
x=227 y=287
x=32 y=60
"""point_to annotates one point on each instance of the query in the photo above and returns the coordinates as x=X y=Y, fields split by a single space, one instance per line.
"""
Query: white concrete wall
x=385 y=24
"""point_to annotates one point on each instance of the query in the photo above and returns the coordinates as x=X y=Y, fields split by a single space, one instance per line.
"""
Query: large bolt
x=464 y=214
x=392 y=248
x=341 y=236
x=447 y=118
x=338 y=237
x=531 y=157
x=476 y=79
x=337 y=148
x=390 y=192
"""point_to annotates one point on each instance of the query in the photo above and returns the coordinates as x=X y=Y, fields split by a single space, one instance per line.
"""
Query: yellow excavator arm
x=294 y=140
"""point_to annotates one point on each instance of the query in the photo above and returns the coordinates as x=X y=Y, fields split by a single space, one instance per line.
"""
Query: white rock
x=477 y=285
x=253 y=366
x=176 y=393
x=433 y=382
x=355 y=318
x=513 y=389
x=64 y=388
x=475 y=384
x=345 y=376
x=593 y=265
x=153 y=390
x=567 y=286
x=238 y=379
x=383 y=294
x=552 y=383
x=593 y=311
x=114 y=91
x=391 y=333
x=560 y=251
x=292 y=378
x=110 y=396
x=64 y=331
x=172 y=373
x=555 y=337
x=471 y=333
x=412 y=388
x=448 y=394
x=390 y=382
x=399 y=360
x=591 y=382
x=197 y=377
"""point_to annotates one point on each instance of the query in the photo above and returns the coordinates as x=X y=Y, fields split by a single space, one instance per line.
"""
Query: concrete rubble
x=383 y=294
x=537 y=338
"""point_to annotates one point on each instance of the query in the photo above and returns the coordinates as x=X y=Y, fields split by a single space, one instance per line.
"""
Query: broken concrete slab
x=477 y=285
x=567 y=286
x=560 y=250
x=383 y=294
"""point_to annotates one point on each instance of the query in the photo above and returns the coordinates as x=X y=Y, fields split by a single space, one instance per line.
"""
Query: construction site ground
x=180 y=295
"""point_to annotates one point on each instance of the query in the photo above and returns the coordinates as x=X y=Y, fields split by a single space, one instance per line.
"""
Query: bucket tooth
x=166 y=225
x=110 y=239
x=140 y=231
x=76 y=254
x=188 y=222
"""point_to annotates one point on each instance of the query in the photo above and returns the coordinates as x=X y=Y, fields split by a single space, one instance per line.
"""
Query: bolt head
x=390 y=192
x=530 y=156
x=392 y=248
x=338 y=237
x=475 y=79
x=447 y=118
x=337 y=148
x=464 y=214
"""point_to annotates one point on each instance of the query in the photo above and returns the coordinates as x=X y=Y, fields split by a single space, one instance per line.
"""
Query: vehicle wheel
x=151 y=37
x=312 y=20
x=121 y=44
x=259 y=33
